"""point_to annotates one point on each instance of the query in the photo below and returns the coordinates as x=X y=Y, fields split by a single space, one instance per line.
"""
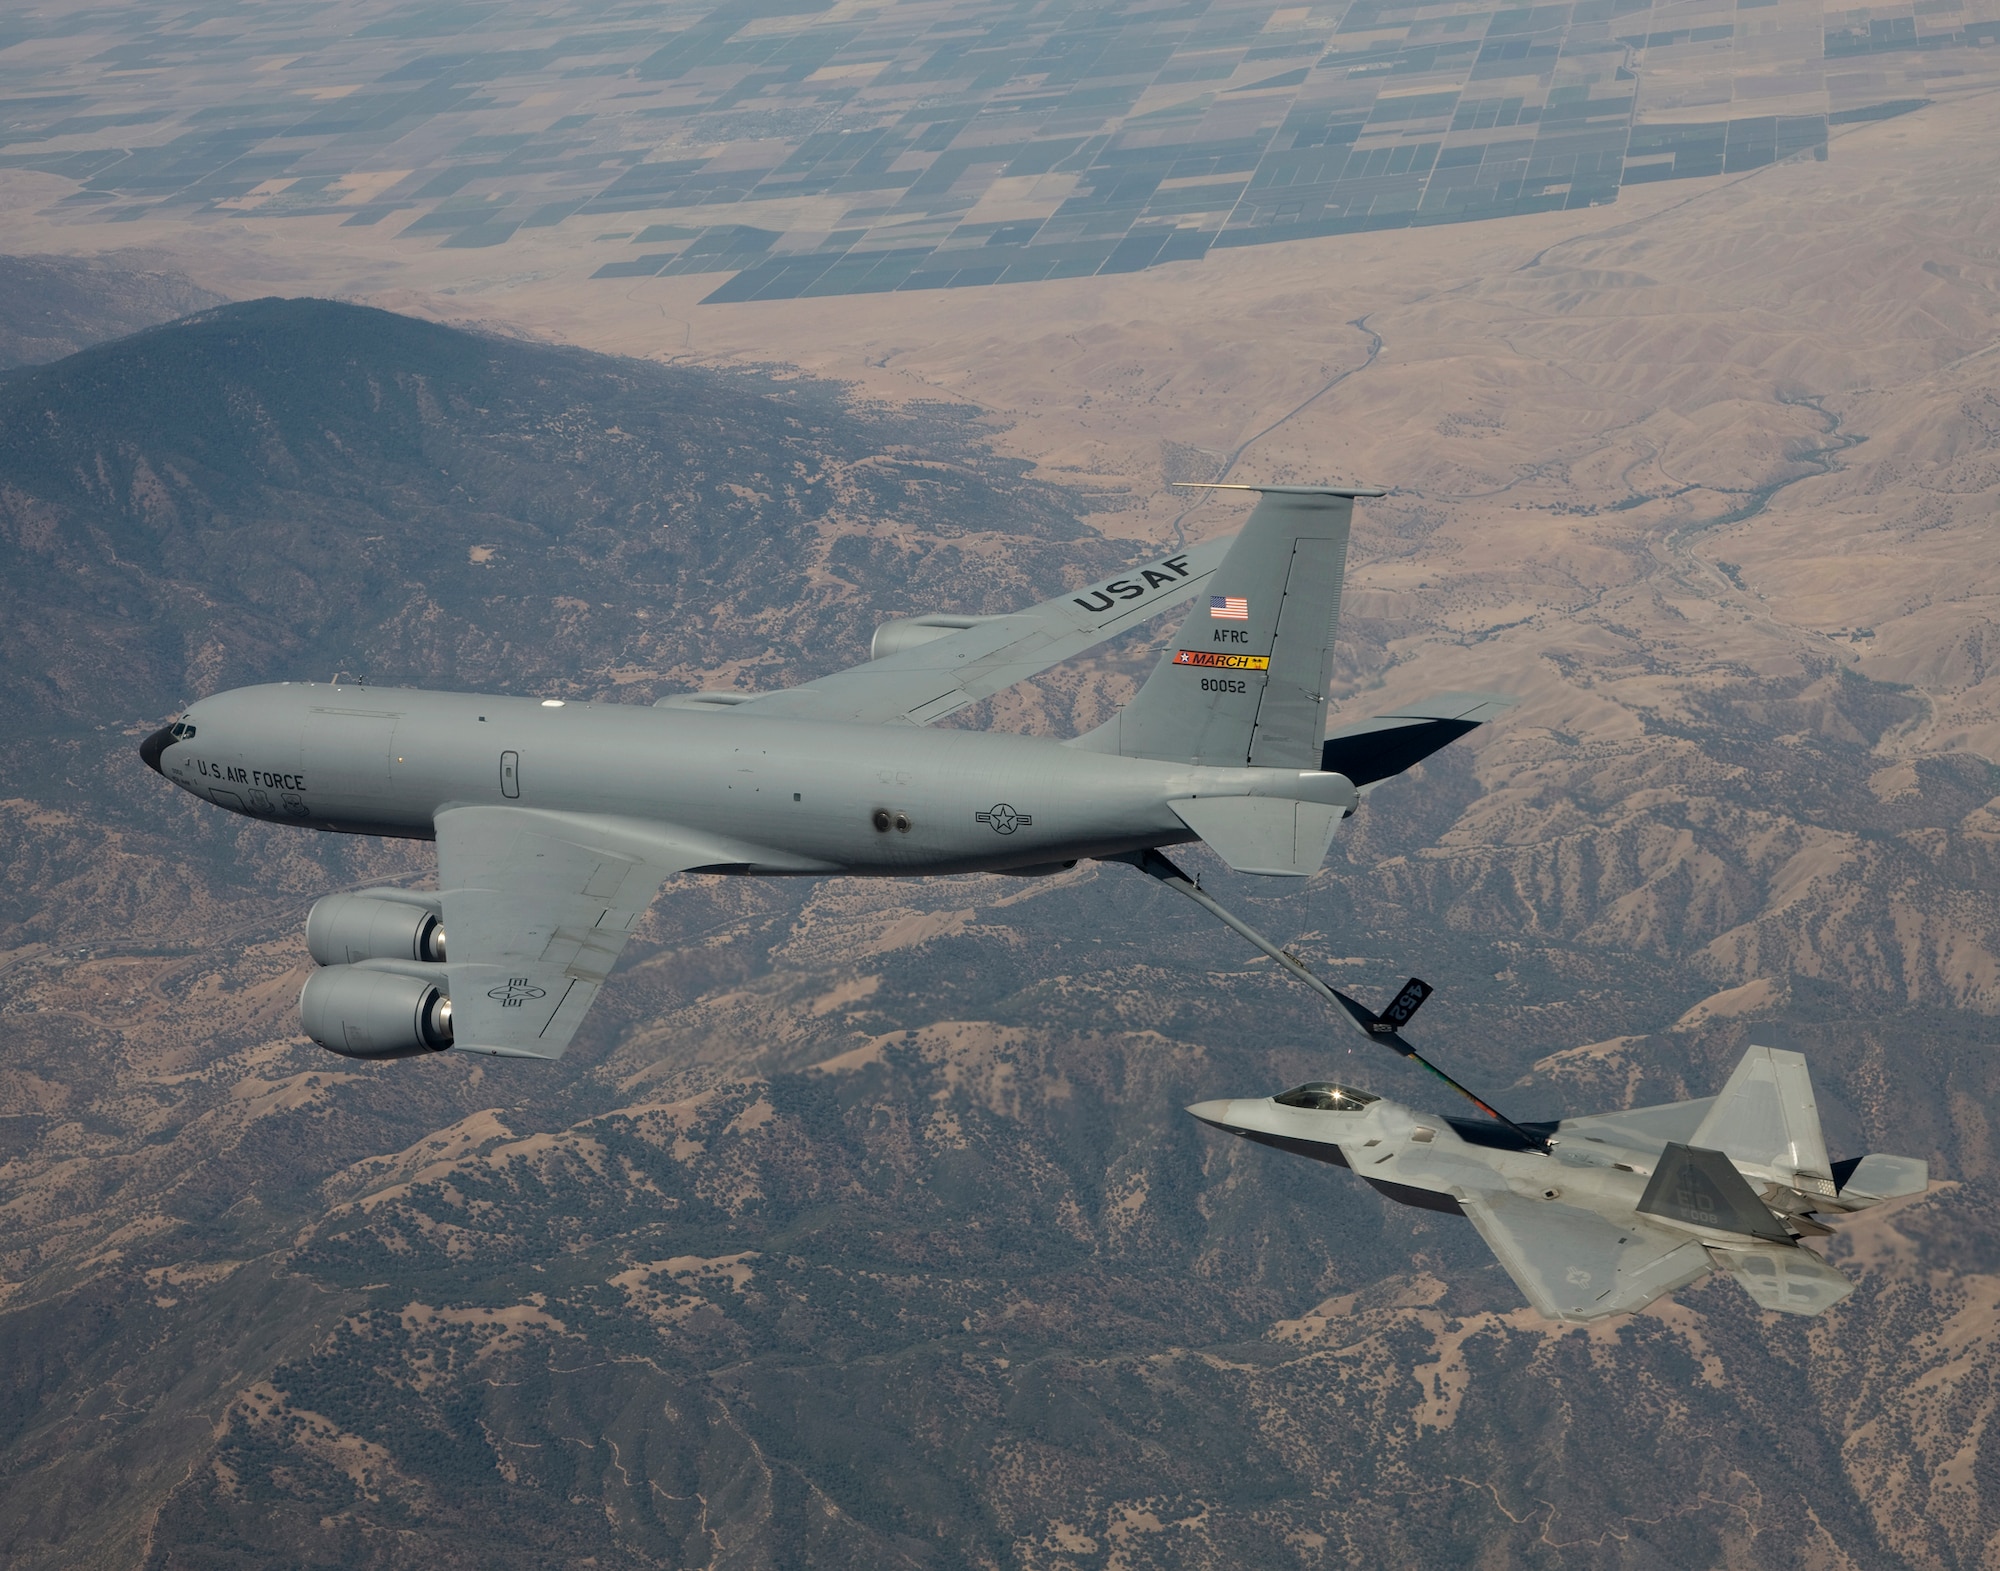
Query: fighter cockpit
x=1323 y=1096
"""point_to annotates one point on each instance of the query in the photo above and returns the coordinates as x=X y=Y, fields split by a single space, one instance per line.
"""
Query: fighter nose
x=1215 y=1114
x=154 y=746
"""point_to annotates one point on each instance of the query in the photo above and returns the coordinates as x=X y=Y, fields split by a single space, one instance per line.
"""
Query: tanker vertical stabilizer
x=1246 y=680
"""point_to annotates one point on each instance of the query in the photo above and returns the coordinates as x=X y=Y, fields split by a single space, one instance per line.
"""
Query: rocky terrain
x=51 y=306
x=861 y=1225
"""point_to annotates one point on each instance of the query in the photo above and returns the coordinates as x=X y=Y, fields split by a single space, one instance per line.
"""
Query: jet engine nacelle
x=892 y=638
x=359 y=1012
x=374 y=924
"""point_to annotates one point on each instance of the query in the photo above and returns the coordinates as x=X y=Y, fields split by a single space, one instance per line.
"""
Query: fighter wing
x=537 y=907
x=920 y=685
x=1576 y=1265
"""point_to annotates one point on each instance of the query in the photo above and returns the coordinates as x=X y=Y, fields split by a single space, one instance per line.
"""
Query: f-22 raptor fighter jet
x=557 y=823
x=1601 y=1215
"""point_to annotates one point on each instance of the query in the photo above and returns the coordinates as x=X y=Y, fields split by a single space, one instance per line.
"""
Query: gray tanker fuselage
x=557 y=823
x=776 y=796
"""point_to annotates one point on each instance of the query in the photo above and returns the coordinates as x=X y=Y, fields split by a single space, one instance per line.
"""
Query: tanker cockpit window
x=181 y=731
x=1323 y=1096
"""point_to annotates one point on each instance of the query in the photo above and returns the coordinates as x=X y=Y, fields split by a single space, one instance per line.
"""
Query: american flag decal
x=1228 y=608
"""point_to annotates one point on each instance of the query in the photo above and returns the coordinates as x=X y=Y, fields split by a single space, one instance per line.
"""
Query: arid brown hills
x=278 y=487
x=862 y=1226
x=51 y=306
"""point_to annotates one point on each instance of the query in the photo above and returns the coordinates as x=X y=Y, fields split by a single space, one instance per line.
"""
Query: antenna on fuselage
x=1383 y=1027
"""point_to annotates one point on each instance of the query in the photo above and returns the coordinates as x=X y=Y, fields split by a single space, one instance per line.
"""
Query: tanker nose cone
x=154 y=746
x=1214 y=1114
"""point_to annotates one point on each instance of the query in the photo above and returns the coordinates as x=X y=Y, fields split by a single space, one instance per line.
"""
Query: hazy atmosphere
x=607 y=352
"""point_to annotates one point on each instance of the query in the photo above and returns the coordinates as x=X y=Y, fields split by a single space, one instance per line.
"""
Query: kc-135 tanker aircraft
x=557 y=822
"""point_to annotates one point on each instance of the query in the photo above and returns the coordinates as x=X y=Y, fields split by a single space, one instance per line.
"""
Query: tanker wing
x=536 y=908
x=931 y=666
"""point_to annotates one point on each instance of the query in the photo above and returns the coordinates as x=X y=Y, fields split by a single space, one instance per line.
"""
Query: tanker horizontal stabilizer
x=1261 y=834
x=1371 y=751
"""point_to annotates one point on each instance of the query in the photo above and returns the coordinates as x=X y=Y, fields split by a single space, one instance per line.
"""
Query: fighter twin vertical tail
x=1767 y=1115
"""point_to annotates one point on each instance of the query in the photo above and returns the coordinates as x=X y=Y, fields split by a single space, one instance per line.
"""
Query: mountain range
x=51 y=306
x=861 y=1225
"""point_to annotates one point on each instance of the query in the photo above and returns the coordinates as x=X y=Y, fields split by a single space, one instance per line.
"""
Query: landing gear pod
x=360 y=1013
x=374 y=925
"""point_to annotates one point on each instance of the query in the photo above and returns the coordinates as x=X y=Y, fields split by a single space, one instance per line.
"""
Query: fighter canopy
x=1323 y=1096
